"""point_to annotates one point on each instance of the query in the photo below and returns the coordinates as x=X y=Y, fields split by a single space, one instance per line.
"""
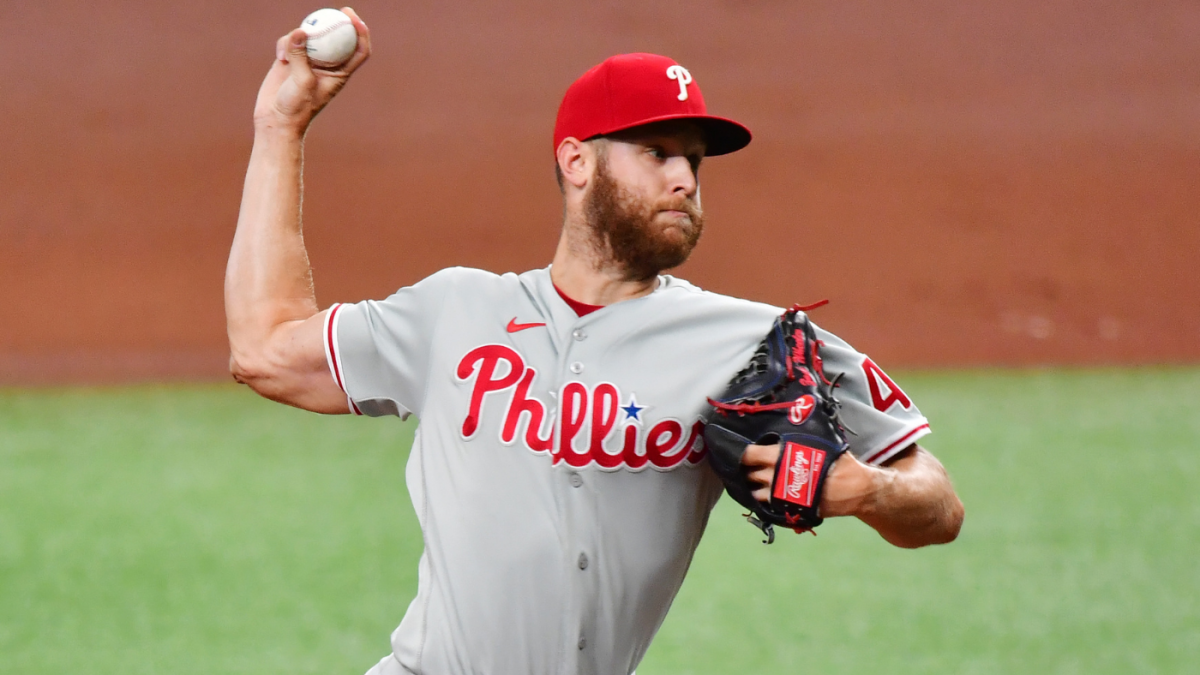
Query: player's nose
x=681 y=177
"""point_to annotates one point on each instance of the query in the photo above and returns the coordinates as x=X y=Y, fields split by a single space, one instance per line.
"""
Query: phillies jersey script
x=558 y=470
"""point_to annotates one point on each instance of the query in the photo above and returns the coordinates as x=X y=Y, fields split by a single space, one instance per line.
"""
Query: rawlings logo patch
x=801 y=409
x=796 y=480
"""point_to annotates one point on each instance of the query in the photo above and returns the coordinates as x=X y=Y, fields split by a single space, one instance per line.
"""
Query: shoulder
x=706 y=310
x=681 y=290
x=452 y=286
x=463 y=276
x=688 y=297
x=724 y=325
x=463 y=281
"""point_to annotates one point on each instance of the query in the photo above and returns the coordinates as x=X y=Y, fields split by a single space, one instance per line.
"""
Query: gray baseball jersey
x=558 y=469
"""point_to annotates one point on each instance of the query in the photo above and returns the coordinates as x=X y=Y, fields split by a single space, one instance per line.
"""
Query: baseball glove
x=782 y=396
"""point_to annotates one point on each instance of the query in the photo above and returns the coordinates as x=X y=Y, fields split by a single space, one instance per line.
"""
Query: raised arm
x=274 y=326
x=909 y=501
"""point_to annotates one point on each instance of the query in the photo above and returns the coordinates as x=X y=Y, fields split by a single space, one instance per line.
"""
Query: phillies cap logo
x=801 y=409
x=680 y=74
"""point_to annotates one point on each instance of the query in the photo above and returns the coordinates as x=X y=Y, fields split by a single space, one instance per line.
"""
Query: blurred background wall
x=1010 y=182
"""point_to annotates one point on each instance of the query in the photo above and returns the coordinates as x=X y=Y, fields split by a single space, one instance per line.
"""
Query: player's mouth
x=676 y=215
x=676 y=224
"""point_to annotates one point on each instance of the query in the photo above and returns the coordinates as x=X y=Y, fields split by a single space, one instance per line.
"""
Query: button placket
x=573 y=357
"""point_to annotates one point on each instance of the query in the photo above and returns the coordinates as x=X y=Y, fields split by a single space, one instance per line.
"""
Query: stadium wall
x=1011 y=183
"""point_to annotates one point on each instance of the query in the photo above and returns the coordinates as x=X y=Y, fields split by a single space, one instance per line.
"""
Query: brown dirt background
x=969 y=183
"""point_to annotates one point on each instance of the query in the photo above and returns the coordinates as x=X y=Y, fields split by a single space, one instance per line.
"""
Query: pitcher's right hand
x=294 y=92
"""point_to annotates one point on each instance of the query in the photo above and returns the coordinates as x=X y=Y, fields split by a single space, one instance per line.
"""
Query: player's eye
x=656 y=152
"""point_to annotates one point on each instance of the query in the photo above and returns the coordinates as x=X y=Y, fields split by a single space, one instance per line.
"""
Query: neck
x=581 y=273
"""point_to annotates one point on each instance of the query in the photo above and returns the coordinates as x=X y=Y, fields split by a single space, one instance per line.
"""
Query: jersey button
x=583 y=561
x=582 y=642
x=577 y=367
x=579 y=335
x=576 y=480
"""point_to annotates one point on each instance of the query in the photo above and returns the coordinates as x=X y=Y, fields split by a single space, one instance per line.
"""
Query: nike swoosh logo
x=513 y=326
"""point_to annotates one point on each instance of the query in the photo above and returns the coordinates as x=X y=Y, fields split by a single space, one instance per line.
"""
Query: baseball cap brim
x=722 y=136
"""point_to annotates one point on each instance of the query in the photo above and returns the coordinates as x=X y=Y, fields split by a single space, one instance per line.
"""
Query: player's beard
x=627 y=233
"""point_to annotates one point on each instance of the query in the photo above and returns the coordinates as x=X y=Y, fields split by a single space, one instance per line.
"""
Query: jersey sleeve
x=884 y=420
x=379 y=350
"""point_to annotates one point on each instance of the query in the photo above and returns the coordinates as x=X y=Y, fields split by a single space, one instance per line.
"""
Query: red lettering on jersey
x=573 y=409
x=629 y=452
x=586 y=418
x=884 y=391
x=520 y=405
x=605 y=402
x=488 y=357
x=695 y=443
x=658 y=447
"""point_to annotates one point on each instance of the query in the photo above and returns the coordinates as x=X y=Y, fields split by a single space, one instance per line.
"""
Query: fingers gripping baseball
x=296 y=98
x=294 y=91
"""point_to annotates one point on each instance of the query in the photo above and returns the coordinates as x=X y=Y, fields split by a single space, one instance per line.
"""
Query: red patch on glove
x=797 y=480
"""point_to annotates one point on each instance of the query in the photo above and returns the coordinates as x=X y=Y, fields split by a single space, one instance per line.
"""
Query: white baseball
x=331 y=37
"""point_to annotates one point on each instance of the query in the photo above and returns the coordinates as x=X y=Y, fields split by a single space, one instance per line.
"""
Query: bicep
x=906 y=458
x=919 y=506
x=293 y=368
x=916 y=460
x=923 y=477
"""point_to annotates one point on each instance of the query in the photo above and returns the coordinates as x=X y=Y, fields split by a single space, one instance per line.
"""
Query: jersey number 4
x=884 y=392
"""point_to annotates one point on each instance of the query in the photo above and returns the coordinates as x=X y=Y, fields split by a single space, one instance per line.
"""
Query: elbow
x=254 y=372
x=942 y=528
x=947 y=527
x=954 y=521
x=242 y=370
x=268 y=374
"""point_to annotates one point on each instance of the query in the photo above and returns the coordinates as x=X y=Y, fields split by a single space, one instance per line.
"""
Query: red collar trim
x=581 y=308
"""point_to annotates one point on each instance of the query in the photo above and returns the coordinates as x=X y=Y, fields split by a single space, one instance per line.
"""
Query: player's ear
x=575 y=162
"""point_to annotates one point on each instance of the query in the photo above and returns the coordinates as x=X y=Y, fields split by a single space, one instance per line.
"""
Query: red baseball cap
x=630 y=90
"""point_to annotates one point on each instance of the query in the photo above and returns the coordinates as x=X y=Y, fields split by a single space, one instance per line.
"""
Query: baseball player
x=558 y=470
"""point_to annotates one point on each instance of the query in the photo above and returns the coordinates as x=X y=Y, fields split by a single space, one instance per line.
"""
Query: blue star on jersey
x=633 y=409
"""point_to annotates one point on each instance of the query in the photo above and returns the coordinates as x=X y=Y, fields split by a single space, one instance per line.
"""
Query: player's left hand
x=847 y=487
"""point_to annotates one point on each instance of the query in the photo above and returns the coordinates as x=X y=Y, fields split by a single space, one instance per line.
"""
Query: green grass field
x=201 y=530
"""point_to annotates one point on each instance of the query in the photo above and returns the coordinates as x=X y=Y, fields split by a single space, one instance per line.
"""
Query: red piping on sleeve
x=883 y=453
x=337 y=370
x=333 y=356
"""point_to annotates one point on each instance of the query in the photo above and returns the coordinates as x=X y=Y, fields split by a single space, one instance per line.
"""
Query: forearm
x=910 y=503
x=268 y=282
